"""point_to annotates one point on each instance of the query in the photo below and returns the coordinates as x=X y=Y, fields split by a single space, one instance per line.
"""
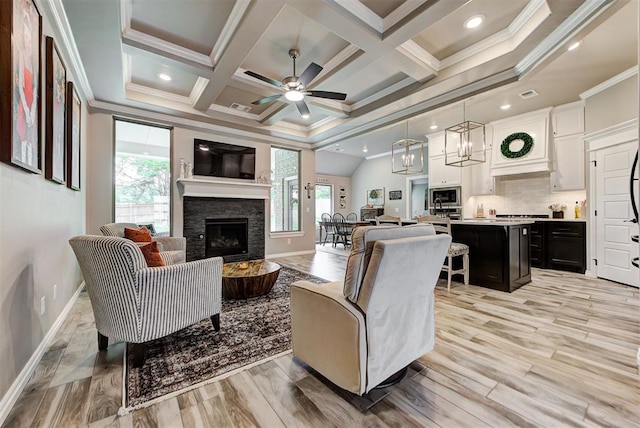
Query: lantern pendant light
x=464 y=143
x=407 y=156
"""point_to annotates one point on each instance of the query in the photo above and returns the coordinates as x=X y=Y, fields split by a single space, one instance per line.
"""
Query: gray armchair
x=135 y=303
x=172 y=249
x=359 y=332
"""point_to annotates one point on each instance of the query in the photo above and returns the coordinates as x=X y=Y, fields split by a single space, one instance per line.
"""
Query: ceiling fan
x=293 y=87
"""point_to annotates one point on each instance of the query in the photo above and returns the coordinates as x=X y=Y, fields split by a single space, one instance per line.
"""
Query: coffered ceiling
x=395 y=59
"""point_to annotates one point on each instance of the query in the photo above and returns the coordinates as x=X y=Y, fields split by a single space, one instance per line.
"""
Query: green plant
x=373 y=194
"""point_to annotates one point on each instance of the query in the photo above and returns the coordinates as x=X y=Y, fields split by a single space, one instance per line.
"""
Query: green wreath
x=526 y=148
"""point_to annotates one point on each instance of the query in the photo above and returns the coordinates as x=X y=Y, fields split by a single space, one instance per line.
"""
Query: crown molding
x=400 y=13
x=54 y=11
x=198 y=88
x=166 y=49
x=413 y=50
x=610 y=82
x=363 y=13
x=524 y=24
x=233 y=21
x=134 y=87
x=582 y=16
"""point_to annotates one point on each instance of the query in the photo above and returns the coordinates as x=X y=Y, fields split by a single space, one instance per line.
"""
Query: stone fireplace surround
x=198 y=209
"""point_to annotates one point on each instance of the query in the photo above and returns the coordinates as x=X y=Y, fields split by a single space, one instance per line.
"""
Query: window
x=285 y=190
x=142 y=175
x=324 y=200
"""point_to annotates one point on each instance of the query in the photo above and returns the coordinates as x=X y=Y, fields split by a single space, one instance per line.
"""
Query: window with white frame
x=285 y=190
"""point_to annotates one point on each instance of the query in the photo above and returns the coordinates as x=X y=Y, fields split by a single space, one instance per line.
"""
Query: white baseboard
x=590 y=274
x=10 y=398
x=296 y=253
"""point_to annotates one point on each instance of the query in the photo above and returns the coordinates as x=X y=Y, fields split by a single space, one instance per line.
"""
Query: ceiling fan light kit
x=294 y=87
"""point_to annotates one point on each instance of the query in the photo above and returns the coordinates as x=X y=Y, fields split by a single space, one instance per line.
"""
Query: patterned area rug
x=250 y=331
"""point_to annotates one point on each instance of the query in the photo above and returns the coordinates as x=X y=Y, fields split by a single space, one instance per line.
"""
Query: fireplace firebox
x=225 y=237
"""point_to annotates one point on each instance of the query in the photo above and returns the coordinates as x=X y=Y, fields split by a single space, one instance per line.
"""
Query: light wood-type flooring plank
x=557 y=352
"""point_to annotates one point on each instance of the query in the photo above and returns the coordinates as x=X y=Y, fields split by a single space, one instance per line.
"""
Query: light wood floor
x=560 y=351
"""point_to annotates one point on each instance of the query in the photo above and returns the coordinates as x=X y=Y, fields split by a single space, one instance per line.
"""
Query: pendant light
x=464 y=143
x=407 y=156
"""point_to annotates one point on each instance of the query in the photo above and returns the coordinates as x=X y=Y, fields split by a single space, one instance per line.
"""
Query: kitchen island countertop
x=493 y=222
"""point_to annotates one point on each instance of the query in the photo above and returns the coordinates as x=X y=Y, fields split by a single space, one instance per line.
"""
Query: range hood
x=538 y=158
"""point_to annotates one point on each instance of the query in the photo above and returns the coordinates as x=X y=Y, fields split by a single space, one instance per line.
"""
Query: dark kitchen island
x=499 y=256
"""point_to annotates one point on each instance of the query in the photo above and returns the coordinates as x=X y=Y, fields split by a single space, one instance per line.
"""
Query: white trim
x=230 y=27
x=363 y=13
x=295 y=253
x=11 y=396
x=286 y=234
x=206 y=188
x=163 y=48
x=198 y=89
x=610 y=82
x=68 y=43
x=586 y=13
x=568 y=106
x=536 y=114
x=146 y=90
x=400 y=13
x=535 y=9
x=617 y=134
x=234 y=112
x=408 y=183
x=412 y=49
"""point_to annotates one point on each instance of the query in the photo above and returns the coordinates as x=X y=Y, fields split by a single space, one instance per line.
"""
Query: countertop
x=530 y=220
x=493 y=222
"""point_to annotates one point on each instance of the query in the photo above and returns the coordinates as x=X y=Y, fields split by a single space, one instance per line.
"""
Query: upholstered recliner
x=135 y=303
x=360 y=331
x=172 y=249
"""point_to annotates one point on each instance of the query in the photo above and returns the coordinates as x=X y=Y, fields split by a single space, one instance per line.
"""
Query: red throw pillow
x=152 y=255
x=138 y=235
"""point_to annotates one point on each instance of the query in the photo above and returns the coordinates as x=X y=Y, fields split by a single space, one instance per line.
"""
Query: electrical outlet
x=397 y=210
x=288 y=240
x=55 y=291
x=43 y=303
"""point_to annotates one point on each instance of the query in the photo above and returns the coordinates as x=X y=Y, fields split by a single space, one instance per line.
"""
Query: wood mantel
x=242 y=189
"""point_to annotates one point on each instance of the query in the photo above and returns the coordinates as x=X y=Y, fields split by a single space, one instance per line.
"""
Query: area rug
x=251 y=331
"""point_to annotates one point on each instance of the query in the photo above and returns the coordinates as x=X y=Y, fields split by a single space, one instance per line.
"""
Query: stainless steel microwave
x=449 y=196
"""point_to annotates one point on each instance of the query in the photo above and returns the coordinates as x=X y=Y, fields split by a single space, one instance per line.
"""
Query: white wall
x=337 y=182
x=38 y=217
x=100 y=162
x=615 y=105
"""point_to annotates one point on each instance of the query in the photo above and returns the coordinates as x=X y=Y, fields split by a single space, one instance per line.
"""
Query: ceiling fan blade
x=266 y=99
x=309 y=73
x=264 y=79
x=302 y=108
x=325 y=94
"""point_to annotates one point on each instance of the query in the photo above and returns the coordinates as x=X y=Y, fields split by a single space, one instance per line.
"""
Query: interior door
x=613 y=228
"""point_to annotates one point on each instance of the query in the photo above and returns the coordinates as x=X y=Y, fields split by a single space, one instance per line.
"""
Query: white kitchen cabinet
x=436 y=144
x=568 y=119
x=441 y=175
x=482 y=182
x=568 y=163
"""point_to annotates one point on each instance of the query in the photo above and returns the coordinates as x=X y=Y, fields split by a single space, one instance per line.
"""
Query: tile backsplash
x=525 y=194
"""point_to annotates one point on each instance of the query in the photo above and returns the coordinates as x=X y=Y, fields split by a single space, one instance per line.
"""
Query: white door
x=613 y=230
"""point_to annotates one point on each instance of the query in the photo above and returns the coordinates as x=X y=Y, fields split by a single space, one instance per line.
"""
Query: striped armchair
x=172 y=249
x=135 y=303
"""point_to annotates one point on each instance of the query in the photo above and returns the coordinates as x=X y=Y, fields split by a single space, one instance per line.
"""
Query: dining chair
x=329 y=228
x=352 y=217
x=388 y=219
x=443 y=225
x=343 y=230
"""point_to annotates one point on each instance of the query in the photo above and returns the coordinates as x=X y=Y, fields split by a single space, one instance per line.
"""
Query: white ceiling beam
x=257 y=19
x=233 y=21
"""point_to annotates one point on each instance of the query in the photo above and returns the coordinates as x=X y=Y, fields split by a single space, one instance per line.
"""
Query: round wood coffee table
x=242 y=280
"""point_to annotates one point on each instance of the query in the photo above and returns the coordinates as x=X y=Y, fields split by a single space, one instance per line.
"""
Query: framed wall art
x=56 y=88
x=73 y=137
x=20 y=84
x=375 y=197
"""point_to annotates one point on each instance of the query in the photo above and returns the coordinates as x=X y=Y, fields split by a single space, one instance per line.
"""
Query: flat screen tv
x=223 y=160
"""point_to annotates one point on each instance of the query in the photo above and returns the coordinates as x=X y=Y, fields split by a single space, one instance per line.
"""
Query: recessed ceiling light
x=573 y=46
x=145 y=153
x=473 y=21
x=365 y=149
x=305 y=116
x=433 y=127
x=505 y=106
x=164 y=76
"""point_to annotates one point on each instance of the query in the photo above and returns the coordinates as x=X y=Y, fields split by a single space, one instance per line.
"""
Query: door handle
x=633 y=220
x=634 y=261
x=635 y=238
